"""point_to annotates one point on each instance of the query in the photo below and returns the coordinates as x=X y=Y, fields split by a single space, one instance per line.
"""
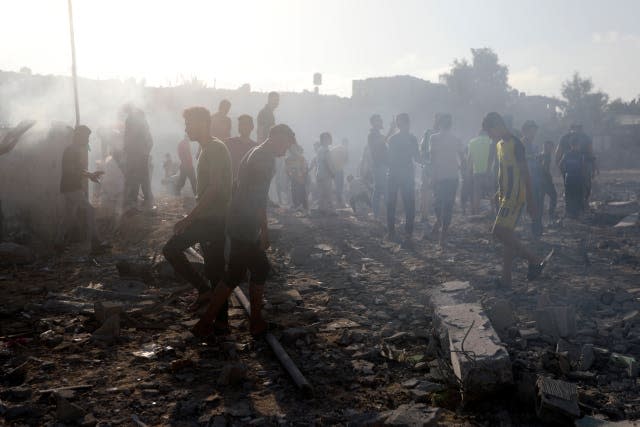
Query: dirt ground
x=350 y=308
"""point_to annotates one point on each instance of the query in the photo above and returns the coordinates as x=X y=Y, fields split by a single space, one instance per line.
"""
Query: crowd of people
x=236 y=179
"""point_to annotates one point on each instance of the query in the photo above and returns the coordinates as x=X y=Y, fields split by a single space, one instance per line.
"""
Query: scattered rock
x=587 y=357
x=103 y=310
x=501 y=314
x=50 y=338
x=233 y=374
x=417 y=415
x=16 y=394
x=67 y=411
x=109 y=331
x=291 y=335
x=557 y=321
x=12 y=253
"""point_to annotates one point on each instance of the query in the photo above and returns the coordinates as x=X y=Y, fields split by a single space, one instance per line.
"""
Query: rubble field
x=105 y=340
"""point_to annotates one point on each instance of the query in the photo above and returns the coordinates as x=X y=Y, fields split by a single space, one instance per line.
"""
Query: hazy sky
x=279 y=44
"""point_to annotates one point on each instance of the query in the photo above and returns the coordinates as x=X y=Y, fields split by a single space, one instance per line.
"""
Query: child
x=358 y=192
x=297 y=171
x=572 y=168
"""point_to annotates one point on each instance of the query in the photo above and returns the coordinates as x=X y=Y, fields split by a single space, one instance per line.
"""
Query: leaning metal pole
x=280 y=352
x=282 y=355
x=74 y=74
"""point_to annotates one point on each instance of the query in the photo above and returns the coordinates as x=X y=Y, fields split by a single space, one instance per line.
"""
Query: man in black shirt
x=403 y=151
x=71 y=187
x=584 y=145
x=546 y=180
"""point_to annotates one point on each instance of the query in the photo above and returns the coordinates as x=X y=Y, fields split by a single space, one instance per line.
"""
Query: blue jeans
x=407 y=187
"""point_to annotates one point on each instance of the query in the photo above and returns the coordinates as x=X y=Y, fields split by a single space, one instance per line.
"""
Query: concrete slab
x=480 y=360
x=450 y=293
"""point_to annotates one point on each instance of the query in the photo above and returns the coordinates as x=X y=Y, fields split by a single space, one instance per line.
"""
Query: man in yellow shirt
x=514 y=191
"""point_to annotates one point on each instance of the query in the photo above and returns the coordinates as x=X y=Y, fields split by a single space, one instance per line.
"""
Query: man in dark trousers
x=572 y=166
x=546 y=179
x=205 y=224
x=584 y=145
x=403 y=151
x=446 y=155
x=71 y=186
x=377 y=147
x=247 y=230
x=137 y=151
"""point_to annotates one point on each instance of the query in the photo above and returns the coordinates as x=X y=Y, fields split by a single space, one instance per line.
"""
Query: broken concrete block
x=233 y=374
x=529 y=334
x=628 y=221
x=67 y=411
x=50 y=338
x=501 y=313
x=556 y=400
x=417 y=414
x=479 y=359
x=300 y=254
x=450 y=293
x=557 y=321
x=587 y=357
x=627 y=362
x=628 y=207
x=109 y=331
x=104 y=310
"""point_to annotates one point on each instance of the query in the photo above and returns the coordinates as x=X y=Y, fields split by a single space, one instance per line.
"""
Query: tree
x=584 y=106
x=618 y=106
x=483 y=83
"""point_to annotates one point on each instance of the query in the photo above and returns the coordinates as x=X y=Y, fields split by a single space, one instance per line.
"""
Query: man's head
x=376 y=122
x=273 y=100
x=445 y=122
x=281 y=138
x=350 y=178
x=197 y=123
x=575 y=127
x=326 y=138
x=81 y=135
x=529 y=130
x=245 y=125
x=224 y=106
x=494 y=125
x=403 y=122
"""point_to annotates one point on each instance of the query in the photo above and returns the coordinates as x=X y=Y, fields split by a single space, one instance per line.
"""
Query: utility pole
x=74 y=74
